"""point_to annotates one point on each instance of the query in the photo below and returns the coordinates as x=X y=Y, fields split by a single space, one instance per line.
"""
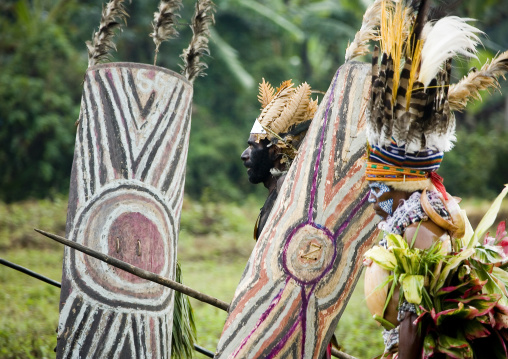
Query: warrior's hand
x=410 y=339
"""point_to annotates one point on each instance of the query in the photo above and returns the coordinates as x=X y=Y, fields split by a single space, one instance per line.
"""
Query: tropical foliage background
x=42 y=63
x=43 y=59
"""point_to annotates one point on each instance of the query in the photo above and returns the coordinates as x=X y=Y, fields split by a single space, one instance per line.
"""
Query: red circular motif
x=135 y=239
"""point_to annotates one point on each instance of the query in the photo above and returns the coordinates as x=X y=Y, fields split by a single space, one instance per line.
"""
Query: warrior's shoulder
x=444 y=212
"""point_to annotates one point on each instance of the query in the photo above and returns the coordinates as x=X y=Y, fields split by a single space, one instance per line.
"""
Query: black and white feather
x=113 y=15
x=416 y=112
x=203 y=18
x=164 y=23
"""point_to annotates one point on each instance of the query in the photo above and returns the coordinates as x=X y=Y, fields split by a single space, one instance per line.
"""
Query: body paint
x=377 y=189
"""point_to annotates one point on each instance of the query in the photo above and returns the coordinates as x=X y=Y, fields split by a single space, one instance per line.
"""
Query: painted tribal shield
x=125 y=199
x=308 y=259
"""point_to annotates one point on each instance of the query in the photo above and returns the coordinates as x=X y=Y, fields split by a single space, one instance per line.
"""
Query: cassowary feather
x=102 y=40
x=164 y=23
x=201 y=22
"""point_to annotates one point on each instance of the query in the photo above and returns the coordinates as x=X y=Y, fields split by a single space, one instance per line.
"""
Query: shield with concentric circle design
x=125 y=199
x=308 y=258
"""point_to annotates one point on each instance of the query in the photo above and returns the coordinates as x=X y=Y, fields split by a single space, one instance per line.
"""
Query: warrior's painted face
x=258 y=160
x=377 y=190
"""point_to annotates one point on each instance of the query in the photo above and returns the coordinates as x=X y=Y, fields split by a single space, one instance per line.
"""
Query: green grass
x=214 y=245
x=28 y=307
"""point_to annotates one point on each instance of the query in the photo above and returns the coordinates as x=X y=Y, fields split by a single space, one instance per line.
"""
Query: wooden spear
x=341 y=355
x=140 y=272
x=29 y=272
x=156 y=278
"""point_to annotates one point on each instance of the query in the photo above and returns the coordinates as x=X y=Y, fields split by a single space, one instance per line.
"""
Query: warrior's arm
x=410 y=338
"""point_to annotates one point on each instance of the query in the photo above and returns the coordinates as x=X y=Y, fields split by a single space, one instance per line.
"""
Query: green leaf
x=414 y=236
x=491 y=287
x=382 y=256
x=429 y=345
x=412 y=286
x=487 y=255
x=488 y=220
x=453 y=263
x=500 y=274
x=473 y=329
x=184 y=328
x=456 y=348
x=385 y=323
x=404 y=260
x=468 y=233
x=394 y=284
x=396 y=241
x=273 y=16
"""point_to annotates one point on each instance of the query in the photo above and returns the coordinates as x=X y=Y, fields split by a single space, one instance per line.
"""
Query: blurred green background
x=43 y=59
x=42 y=63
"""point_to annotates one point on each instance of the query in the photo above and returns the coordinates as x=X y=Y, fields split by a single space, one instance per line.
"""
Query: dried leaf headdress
x=285 y=116
x=371 y=20
x=470 y=86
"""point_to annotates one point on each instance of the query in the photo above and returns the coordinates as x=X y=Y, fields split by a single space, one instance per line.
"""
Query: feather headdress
x=102 y=40
x=411 y=124
x=470 y=86
x=285 y=116
x=409 y=106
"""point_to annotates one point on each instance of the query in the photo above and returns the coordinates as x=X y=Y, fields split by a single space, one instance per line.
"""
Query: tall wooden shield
x=125 y=199
x=308 y=259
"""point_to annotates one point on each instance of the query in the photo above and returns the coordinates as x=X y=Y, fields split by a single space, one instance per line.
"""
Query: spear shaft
x=140 y=272
x=341 y=355
x=30 y=273
x=159 y=280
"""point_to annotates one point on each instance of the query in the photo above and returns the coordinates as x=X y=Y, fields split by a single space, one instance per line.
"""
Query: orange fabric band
x=382 y=172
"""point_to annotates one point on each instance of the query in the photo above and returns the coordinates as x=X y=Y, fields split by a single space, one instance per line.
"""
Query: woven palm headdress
x=285 y=116
x=411 y=122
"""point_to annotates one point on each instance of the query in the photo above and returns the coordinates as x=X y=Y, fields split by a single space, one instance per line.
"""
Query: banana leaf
x=487 y=220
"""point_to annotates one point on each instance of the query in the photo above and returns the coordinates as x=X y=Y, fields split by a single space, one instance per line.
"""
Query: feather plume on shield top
x=102 y=40
x=164 y=23
x=202 y=20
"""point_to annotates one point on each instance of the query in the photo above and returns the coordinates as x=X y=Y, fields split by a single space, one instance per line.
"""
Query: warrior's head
x=278 y=131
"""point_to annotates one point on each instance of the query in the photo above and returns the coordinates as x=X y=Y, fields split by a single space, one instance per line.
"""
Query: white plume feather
x=448 y=37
